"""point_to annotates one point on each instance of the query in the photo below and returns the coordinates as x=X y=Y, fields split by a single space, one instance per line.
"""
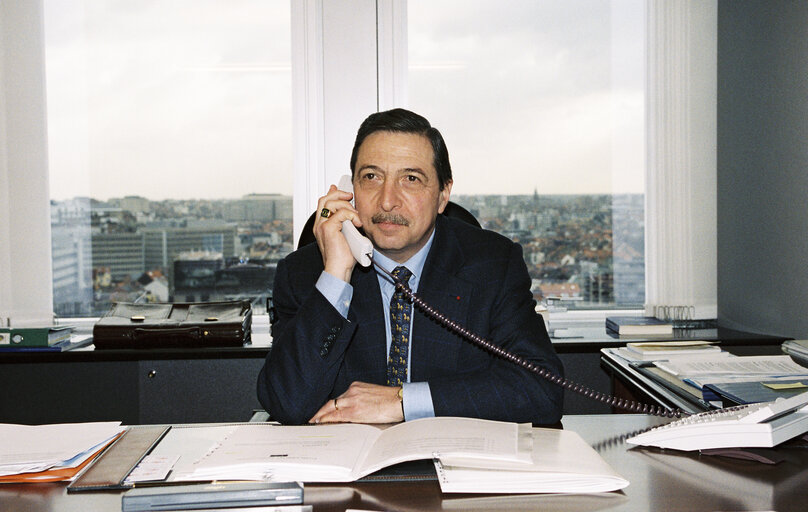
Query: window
x=542 y=104
x=170 y=150
x=349 y=59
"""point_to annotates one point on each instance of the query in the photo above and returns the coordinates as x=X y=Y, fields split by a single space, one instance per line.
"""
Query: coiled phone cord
x=624 y=404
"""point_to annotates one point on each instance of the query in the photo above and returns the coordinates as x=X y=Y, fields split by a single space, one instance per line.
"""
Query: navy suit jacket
x=475 y=277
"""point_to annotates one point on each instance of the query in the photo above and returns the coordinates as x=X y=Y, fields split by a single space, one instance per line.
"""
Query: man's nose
x=390 y=197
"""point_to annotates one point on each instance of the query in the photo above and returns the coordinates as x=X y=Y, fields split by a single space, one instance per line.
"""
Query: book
x=34 y=336
x=208 y=496
x=654 y=351
x=638 y=325
x=561 y=462
x=345 y=452
x=547 y=460
x=70 y=343
x=755 y=391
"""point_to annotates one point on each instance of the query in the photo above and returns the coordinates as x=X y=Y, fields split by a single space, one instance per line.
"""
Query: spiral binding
x=620 y=403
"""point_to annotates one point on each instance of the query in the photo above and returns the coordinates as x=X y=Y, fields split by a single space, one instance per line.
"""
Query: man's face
x=397 y=192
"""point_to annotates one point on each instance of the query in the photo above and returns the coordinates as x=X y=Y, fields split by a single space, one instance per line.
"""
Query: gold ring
x=325 y=212
x=335 y=405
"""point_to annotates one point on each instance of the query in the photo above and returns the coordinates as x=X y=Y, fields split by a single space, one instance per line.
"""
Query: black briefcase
x=200 y=324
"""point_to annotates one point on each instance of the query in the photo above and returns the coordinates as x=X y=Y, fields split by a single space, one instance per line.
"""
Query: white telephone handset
x=361 y=247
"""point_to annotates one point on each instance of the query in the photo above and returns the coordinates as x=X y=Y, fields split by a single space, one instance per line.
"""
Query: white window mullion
x=26 y=288
x=334 y=76
x=307 y=108
x=392 y=55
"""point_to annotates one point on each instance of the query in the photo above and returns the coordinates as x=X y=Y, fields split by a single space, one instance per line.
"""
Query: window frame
x=348 y=60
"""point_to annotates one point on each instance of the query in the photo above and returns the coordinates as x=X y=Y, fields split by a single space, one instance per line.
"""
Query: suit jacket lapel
x=433 y=346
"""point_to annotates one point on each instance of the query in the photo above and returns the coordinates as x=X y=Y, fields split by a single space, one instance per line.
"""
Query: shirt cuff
x=336 y=291
x=417 y=401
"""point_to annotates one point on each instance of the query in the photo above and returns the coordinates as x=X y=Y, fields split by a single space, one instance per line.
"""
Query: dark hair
x=404 y=121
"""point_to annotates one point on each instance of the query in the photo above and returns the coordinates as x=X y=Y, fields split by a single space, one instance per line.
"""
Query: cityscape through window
x=170 y=142
x=542 y=104
x=170 y=150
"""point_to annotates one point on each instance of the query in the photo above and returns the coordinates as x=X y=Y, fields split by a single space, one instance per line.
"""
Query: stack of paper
x=49 y=452
x=664 y=350
x=562 y=462
x=735 y=369
x=707 y=375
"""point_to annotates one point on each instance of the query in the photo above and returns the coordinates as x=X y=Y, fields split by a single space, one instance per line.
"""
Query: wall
x=763 y=166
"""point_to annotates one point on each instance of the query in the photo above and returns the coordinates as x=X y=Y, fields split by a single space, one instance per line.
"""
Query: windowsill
x=84 y=325
x=558 y=320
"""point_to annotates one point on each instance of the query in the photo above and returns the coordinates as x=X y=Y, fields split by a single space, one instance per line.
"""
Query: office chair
x=452 y=210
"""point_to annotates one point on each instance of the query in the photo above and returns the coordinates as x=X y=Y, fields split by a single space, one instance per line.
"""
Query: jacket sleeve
x=309 y=338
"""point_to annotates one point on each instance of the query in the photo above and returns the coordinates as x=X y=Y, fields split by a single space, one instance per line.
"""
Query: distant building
x=259 y=208
x=204 y=276
x=123 y=253
x=164 y=245
x=71 y=257
x=134 y=204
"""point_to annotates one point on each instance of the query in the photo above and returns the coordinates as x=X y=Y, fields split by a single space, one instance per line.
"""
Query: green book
x=34 y=336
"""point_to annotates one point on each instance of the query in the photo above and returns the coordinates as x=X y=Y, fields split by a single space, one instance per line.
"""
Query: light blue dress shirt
x=417 y=398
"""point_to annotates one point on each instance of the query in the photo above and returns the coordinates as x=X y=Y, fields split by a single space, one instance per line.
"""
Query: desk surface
x=659 y=480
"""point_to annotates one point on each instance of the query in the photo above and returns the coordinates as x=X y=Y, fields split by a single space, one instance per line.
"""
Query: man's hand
x=337 y=258
x=362 y=403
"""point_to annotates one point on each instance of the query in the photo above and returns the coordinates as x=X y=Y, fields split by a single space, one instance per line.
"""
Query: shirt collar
x=415 y=264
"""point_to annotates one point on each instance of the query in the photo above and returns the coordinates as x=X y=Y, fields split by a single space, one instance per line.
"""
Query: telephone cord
x=620 y=403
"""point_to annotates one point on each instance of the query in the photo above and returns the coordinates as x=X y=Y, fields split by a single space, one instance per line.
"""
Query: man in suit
x=347 y=348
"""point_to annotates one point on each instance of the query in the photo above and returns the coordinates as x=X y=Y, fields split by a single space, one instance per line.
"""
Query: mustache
x=392 y=218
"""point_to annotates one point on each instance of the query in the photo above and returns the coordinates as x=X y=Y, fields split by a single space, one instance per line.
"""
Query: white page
x=746 y=365
x=311 y=453
x=38 y=447
x=337 y=452
x=462 y=437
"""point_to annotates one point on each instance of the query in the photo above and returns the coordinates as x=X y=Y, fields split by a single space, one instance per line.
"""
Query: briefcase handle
x=175 y=333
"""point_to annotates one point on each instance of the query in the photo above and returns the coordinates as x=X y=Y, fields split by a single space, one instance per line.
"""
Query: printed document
x=746 y=365
x=32 y=448
x=345 y=452
x=562 y=462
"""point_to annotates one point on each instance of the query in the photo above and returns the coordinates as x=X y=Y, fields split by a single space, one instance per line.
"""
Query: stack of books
x=638 y=326
x=41 y=339
x=664 y=350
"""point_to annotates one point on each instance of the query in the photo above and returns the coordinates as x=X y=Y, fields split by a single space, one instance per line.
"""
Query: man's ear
x=444 y=196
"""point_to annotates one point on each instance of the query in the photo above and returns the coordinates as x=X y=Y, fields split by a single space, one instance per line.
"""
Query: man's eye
x=412 y=178
x=368 y=176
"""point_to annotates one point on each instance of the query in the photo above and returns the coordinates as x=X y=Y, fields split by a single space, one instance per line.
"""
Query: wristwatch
x=401 y=394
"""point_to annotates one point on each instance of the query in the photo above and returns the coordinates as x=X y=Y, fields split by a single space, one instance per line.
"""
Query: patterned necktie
x=400 y=311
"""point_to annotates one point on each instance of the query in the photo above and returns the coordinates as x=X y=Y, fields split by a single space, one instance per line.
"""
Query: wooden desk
x=659 y=481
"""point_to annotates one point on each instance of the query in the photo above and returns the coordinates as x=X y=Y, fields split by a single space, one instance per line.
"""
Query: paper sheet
x=30 y=448
x=747 y=366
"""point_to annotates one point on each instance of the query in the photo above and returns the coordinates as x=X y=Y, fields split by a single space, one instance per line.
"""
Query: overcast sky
x=168 y=99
